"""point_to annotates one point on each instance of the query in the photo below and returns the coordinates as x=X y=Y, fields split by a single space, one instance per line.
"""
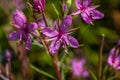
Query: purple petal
x=97 y=14
x=55 y=45
x=32 y=27
x=72 y=42
x=43 y=3
x=55 y=25
x=18 y=19
x=78 y=3
x=66 y=23
x=86 y=18
x=92 y=7
x=28 y=43
x=76 y=12
x=14 y=35
x=50 y=32
x=86 y=3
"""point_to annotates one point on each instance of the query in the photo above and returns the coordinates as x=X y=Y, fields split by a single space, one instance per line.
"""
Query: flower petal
x=55 y=45
x=14 y=35
x=86 y=18
x=43 y=3
x=97 y=14
x=66 y=23
x=28 y=43
x=76 y=12
x=18 y=19
x=72 y=42
x=50 y=32
x=78 y=3
x=32 y=27
x=86 y=3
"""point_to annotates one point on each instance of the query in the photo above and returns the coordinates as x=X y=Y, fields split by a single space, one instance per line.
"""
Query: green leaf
x=112 y=78
x=55 y=9
x=42 y=72
x=93 y=75
x=37 y=44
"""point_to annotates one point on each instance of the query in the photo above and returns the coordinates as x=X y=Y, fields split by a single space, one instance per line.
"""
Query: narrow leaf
x=93 y=75
x=42 y=72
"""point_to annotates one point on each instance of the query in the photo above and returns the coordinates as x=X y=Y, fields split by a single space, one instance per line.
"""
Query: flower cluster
x=60 y=35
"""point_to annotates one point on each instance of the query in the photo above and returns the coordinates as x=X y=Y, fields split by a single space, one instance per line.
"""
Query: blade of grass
x=42 y=72
x=93 y=75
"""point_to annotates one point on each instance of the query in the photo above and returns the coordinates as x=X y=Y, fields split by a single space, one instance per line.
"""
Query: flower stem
x=54 y=57
x=44 y=18
x=55 y=62
x=100 y=58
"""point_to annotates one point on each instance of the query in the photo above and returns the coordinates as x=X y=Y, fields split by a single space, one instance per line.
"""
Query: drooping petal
x=97 y=14
x=32 y=27
x=66 y=23
x=18 y=19
x=78 y=3
x=73 y=42
x=76 y=12
x=86 y=3
x=14 y=35
x=28 y=43
x=55 y=45
x=43 y=3
x=50 y=32
x=86 y=18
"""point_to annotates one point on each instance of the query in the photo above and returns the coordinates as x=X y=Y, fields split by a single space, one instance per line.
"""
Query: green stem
x=42 y=72
x=100 y=57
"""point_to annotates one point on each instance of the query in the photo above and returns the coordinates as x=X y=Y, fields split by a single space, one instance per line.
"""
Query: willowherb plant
x=55 y=36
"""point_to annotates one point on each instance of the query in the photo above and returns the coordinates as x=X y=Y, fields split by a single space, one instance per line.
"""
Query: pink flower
x=78 y=68
x=88 y=12
x=60 y=36
x=114 y=59
x=24 y=29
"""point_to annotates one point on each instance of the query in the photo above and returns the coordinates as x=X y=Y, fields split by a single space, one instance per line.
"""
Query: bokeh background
x=89 y=37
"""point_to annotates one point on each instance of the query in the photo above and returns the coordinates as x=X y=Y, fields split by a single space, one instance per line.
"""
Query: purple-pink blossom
x=23 y=29
x=60 y=36
x=114 y=59
x=39 y=6
x=88 y=12
x=78 y=68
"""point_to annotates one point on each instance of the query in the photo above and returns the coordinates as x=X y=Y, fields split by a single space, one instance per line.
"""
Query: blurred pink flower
x=19 y=4
x=78 y=68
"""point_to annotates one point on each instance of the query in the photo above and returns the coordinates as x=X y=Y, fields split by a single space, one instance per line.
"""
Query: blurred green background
x=88 y=35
